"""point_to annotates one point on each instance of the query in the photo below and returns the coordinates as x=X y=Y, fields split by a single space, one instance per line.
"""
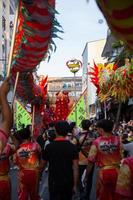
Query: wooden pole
x=15 y=87
x=105 y=110
x=13 y=40
x=33 y=118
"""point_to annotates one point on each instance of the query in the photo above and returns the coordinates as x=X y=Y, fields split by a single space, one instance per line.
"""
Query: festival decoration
x=48 y=115
x=74 y=65
x=40 y=90
x=80 y=109
x=40 y=115
x=119 y=16
x=100 y=76
x=37 y=27
x=112 y=81
x=62 y=108
x=22 y=116
x=105 y=83
x=94 y=76
x=122 y=87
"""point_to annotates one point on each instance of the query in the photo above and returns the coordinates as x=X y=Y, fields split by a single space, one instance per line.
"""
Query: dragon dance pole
x=87 y=97
x=15 y=87
x=105 y=111
x=13 y=40
x=33 y=119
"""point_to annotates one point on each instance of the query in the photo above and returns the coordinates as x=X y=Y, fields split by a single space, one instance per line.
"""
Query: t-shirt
x=27 y=156
x=60 y=155
x=4 y=160
x=106 y=151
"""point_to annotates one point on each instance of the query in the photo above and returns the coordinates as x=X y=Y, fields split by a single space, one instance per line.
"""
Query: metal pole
x=75 y=97
x=33 y=119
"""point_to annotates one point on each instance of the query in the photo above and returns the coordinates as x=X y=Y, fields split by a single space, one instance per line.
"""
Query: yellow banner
x=22 y=116
x=78 y=110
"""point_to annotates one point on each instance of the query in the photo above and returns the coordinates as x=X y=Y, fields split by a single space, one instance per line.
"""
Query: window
x=3 y=23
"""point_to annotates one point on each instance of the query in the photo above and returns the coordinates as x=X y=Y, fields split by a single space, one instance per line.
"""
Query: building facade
x=7 y=11
x=56 y=84
x=92 y=52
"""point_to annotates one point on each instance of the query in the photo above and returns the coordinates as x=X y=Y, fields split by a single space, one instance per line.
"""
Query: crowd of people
x=94 y=162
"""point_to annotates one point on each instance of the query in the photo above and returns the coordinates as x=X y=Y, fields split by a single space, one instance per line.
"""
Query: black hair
x=62 y=128
x=25 y=134
x=17 y=136
x=51 y=135
x=105 y=124
x=85 y=124
x=52 y=124
x=28 y=126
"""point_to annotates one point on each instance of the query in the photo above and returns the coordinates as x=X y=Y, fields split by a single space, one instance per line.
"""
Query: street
x=43 y=189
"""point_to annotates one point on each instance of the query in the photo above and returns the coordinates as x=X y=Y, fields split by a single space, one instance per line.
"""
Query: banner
x=79 y=109
x=21 y=116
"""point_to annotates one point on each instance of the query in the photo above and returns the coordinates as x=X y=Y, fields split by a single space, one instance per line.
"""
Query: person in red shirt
x=6 y=120
x=5 y=186
x=105 y=152
x=27 y=159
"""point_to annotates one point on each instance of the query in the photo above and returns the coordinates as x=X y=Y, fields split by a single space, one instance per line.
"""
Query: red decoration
x=33 y=37
x=119 y=16
x=94 y=76
x=62 y=105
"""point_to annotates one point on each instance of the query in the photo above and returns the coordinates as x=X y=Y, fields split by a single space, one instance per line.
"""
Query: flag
x=22 y=116
x=80 y=110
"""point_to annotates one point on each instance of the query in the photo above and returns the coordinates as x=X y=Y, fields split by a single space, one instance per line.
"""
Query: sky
x=79 y=20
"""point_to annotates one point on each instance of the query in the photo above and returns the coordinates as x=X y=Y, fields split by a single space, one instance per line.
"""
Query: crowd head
x=106 y=125
x=62 y=128
x=85 y=124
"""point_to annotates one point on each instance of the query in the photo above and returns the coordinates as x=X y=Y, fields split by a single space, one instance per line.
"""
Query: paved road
x=13 y=174
x=44 y=187
x=43 y=190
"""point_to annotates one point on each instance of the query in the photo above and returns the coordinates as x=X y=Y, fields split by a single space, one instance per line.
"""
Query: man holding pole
x=6 y=115
x=5 y=149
